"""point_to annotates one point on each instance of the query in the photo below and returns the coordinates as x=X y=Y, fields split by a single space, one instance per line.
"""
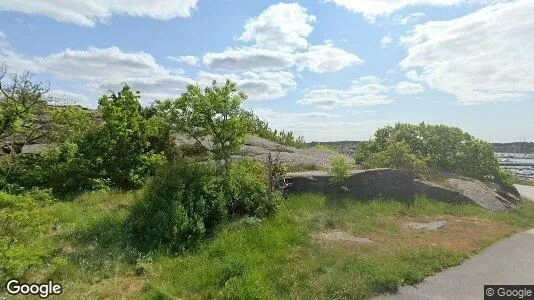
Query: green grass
x=302 y=167
x=275 y=258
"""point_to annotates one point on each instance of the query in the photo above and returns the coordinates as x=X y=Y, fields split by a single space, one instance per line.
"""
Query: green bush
x=248 y=189
x=398 y=156
x=182 y=204
x=440 y=147
x=339 y=167
x=187 y=200
x=22 y=227
x=117 y=154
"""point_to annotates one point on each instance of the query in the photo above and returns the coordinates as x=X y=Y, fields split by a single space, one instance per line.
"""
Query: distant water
x=525 y=172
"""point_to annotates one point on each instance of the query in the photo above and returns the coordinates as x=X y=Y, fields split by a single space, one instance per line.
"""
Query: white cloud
x=370 y=9
x=96 y=64
x=278 y=38
x=412 y=75
x=386 y=41
x=409 y=88
x=249 y=58
x=411 y=18
x=359 y=112
x=317 y=126
x=88 y=13
x=101 y=69
x=485 y=56
x=279 y=41
x=319 y=59
x=326 y=58
x=188 y=59
x=258 y=86
x=284 y=26
x=364 y=92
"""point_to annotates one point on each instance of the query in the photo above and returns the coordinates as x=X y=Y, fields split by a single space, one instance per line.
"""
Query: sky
x=326 y=69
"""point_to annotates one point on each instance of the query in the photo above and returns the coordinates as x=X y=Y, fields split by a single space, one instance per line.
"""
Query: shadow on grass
x=100 y=249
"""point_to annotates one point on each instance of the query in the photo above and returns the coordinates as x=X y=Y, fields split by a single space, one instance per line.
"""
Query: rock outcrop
x=261 y=148
x=392 y=183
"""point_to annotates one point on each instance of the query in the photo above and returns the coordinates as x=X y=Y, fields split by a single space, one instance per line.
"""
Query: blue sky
x=326 y=69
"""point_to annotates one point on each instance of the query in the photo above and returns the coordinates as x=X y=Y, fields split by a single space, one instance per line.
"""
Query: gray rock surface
x=392 y=183
x=481 y=194
x=260 y=148
x=307 y=182
x=432 y=226
x=440 y=193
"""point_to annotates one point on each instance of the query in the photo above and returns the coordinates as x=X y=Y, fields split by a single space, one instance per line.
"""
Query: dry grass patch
x=122 y=287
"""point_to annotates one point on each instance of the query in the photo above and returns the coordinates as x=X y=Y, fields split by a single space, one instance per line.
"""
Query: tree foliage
x=397 y=155
x=118 y=153
x=261 y=128
x=214 y=112
x=187 y=200
x=22 y=106
x=438 y=147
x=339 y=167
x=69 y=122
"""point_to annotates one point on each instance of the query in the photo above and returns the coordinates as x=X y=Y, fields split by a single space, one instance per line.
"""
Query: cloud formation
x=409 y=88
x=284 y=26
x=371 y=9
x=89 y=13
x=386 y=41
x=188 y=59
x=317 y=126
x=258 y=86
x=367 y=91
x=485 y=56
x=278 y=39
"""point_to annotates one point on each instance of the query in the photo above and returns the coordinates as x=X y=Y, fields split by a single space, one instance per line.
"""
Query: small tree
x=215 y=112
x=121 y=147
x=22 y=105
x=339 y=167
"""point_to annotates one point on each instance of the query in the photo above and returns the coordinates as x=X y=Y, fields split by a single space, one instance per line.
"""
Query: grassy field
x=276 y=258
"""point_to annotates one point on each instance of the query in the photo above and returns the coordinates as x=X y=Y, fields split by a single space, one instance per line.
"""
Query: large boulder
x=387 y=183
x=361 y=184
x=392 y=183
x=440 y=193
x=307 y=182
x=480 y=194
x=260 y=148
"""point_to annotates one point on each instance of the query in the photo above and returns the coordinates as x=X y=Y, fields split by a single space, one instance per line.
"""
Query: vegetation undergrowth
x=273 y=257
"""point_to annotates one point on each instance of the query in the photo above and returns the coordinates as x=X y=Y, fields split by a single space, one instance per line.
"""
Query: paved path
x=510 y=261
x=525 y=191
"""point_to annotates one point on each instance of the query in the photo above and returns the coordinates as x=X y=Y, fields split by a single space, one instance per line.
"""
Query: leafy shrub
x=116 y=154
x=183 y=203
x=397 y=155
x=186 y=201
x=440 y=147
x=248 y=190
x=339 y=167
x=22 y=224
